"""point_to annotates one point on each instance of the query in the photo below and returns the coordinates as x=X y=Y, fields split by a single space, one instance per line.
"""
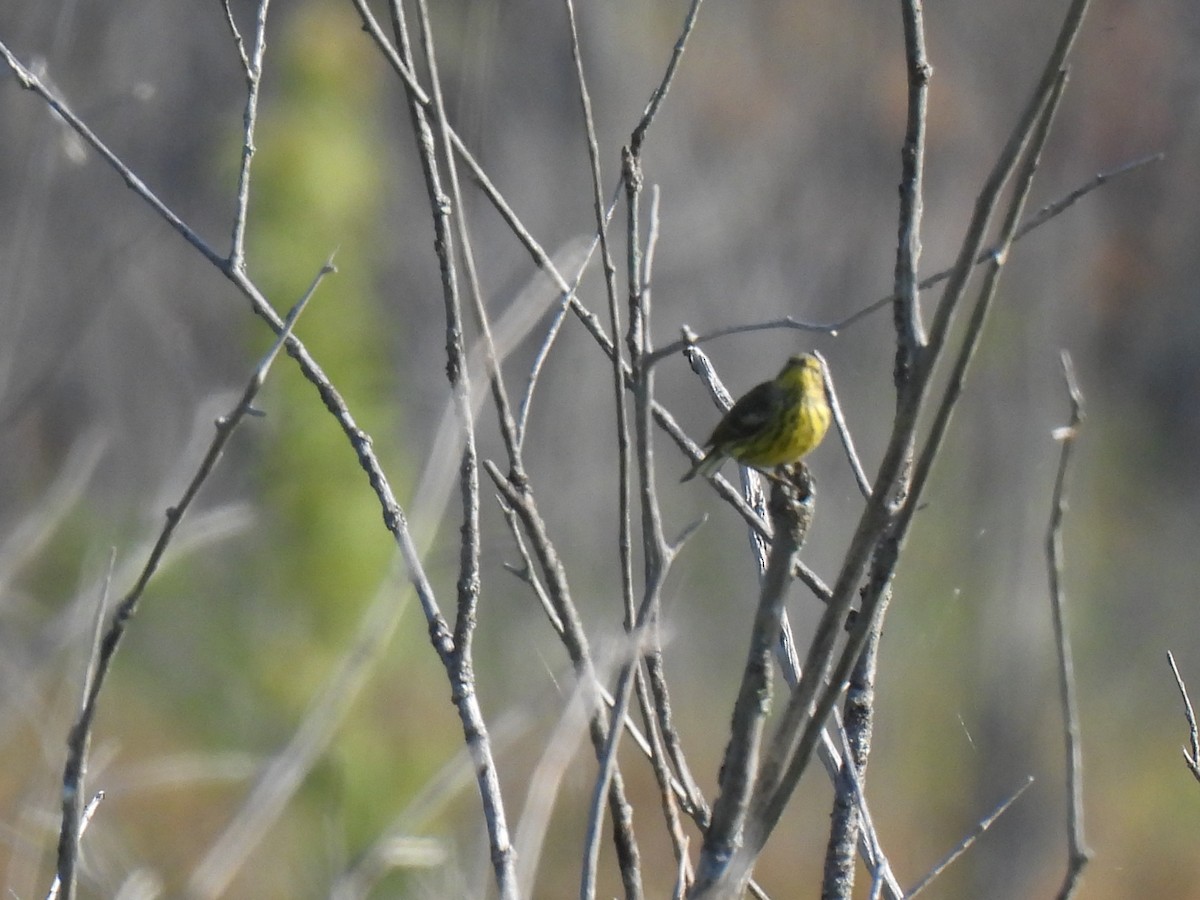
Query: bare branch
x=791 y=513
x=85 y=819
x=253 y=69
x=983 y=825
x=626 y=846
x=660 y=92
x=1077 y=852
x=459 y=664
x=833 y=329
x=80 y=736
x=1193 y=757
x=906 y=312
x=843 y=430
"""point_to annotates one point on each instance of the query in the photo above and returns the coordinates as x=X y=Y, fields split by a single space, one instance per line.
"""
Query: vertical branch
x=635 y=624
x=459 y=666
x=520 y=499
x=457 y=370
x=791 y=512
x=906 y=311
x=845 y=819
x=801 y=722
x=838 y=881
x=610 y=283
x=627 y=852
x=1077 y=852
x=987 y=293
x=252 y=68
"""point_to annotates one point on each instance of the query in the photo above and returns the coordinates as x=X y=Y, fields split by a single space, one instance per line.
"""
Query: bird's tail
x=705 y=466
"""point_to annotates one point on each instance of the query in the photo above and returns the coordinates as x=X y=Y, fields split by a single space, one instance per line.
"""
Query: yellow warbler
x=775 y=423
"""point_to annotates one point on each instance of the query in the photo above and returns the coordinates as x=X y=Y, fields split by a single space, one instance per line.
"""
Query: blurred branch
x=546 y=778
x=85 y=819
x=1077 y=852
x=31 y=82
x=393 y=515
x=80 y=735
x=526 y=574
x=287 y=769
x=1192 y=758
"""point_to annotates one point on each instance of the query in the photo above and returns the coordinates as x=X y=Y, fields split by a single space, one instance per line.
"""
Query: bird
x=774 y=423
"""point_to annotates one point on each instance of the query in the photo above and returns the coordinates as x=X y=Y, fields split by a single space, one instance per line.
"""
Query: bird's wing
x=747 y=417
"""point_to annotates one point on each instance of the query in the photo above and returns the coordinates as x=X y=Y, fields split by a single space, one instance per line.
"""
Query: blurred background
x=776 y=155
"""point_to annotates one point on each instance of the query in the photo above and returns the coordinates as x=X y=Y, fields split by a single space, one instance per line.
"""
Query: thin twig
x=31 y=82
x=1041 y=217
x=80 y=735
x=628 y=861
x=568 y=302
x=552 y=766
x=454 y=778
x=608 y=768
x=252 y=68
x=660 y=92
x=843 y=430
x=983 y=825
x=1077 y=851
x=529 y=577
x=651 y=683
x=1193 y=757
x=73 y=813
x=574 y=638
x=237 y=37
